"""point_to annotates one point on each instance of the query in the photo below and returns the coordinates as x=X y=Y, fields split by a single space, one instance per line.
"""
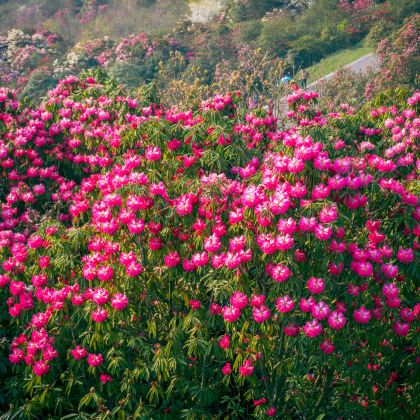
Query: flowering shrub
x=158 y=263
x=399 y=56
x=346 y=87
x=398 y=62
x=22 y=53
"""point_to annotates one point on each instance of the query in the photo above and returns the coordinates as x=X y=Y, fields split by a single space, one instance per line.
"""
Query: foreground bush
x=165 y=264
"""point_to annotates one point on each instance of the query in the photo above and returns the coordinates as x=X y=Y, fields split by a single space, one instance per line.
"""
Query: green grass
x=336 y=60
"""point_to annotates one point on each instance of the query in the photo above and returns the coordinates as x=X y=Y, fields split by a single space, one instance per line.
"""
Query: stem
x=203 y=369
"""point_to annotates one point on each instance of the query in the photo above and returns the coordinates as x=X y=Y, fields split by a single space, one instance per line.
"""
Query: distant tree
x=298 y=6
x=271 y=38
x=145 y=3
x=241 y=10
x=399 y=56
x=127 y=74
x=38 y=85
x=334 y=37
x=379 y=31
x=249 y=30
x=309 y=49
x=400 y=9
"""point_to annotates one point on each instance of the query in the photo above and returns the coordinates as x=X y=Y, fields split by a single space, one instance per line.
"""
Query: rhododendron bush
x=159 y=263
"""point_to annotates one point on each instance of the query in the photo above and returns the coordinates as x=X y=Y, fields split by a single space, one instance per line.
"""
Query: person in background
x=304 y=78
x=269 y=106
x=253 y=100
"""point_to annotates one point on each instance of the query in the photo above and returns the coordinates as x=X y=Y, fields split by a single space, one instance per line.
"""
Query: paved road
x=362 y=64
x=368 y=61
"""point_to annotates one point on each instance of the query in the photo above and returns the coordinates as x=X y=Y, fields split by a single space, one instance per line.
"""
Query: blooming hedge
x=168 y=264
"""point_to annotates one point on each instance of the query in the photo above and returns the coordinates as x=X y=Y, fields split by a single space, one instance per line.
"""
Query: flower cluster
x=139 y=242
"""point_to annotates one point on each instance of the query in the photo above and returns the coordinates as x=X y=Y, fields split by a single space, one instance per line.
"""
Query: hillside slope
x=84 y=19
x=137 y=41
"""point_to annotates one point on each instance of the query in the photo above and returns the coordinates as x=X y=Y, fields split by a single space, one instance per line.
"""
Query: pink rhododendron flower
x=231 y=313
x=257 y=300
x=271 y=412
x=215 y=309
x=247 y=368
x=41 y=368
x=224 y=342
x=336 y=320
x=78 y=352
x=259 y=402
x=172 y=259
x=401 y=328
x=320 y=310
x=405 y=255
x=312 y=328
x=44 y=261
x=94 y=359
x=390 y=290
x=327 y=347
x=407 y=315
x=362 y=315
x=99 y=315
x=285 y=304
x=260 y=313
x=279 y=272
x=239 y=300
x=119 y=301
x=153 y=153
x=104 y=378
x=227 y=369
x=316 y=285
x=291 y=330
x=195 y=304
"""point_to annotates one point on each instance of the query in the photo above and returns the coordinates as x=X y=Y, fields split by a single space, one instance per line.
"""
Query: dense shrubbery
x=346 y=87
x=399 y=56
x=299 y=32
x=168 y=264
